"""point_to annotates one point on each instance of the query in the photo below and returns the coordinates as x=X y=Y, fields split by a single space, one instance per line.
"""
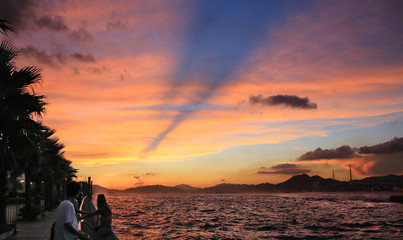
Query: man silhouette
x=66 y=225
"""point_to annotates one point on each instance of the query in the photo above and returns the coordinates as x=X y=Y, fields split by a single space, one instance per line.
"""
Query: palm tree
x=26 y=146
x=53 y=167
x=7 y=160
x=28 y=159
x=19 y=105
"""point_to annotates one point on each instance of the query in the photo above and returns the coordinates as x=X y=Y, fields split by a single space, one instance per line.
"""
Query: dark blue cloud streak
x=220 y=38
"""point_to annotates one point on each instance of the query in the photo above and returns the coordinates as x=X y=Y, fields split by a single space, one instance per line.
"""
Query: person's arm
x=82 y=212
x=90 y=214
x=80 y=234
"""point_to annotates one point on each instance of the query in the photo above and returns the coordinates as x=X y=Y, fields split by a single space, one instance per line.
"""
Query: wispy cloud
x=55 y=59
x=81 y=35
x=116 y=25
x=19 y=12
x=286 y=168
x=209 y=62
x=83 y=57
x=31 y=15
x=55 y=23
x=41 y=55
x=181 y=107
x=139 y=181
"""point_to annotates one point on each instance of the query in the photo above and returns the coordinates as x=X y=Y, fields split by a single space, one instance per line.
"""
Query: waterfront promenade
x=35 y=230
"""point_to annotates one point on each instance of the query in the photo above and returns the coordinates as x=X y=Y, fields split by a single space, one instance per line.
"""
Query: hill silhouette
x=154 y=188
x=298 y=183
x=187 y=187
x=315 y=183
x=385 y=180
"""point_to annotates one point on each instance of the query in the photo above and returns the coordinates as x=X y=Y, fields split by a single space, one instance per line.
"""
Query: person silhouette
x=66 y=225
x=104 y=230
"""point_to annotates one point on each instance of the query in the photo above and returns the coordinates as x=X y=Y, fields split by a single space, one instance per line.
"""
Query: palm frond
x=27 y=76
x=7 y=52
x=6 y=27
x=24 y=105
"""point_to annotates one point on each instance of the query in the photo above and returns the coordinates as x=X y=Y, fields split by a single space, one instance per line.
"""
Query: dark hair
x=72 y=188
x=101 y=201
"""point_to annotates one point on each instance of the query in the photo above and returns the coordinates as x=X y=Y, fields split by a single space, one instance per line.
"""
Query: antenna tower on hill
x=351 y=177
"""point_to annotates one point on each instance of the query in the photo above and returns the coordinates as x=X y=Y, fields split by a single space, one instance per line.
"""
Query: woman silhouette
x=104 y=230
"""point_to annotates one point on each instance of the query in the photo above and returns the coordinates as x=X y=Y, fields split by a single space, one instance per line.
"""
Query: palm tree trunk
x=28 y=196
x=38 y=191
x=3 y=190
x=49 y=201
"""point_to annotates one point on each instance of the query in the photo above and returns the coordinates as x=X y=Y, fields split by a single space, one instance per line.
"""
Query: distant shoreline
x=296 y=184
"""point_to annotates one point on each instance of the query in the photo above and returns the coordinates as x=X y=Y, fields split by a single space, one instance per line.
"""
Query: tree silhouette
x=26 y=146
x=53 y=168
x=19 y=106
x=7 y=160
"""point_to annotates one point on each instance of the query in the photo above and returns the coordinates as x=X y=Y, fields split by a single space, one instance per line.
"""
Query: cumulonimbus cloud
x=285 y=168
x=292 y=101
x=394 y=145
x=337 y=153
x=378 y=159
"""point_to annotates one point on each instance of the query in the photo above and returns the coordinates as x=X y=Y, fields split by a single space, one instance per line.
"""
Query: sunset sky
x=209 y=92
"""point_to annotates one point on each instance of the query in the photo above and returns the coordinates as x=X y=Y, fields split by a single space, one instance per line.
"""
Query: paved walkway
x=35 y=230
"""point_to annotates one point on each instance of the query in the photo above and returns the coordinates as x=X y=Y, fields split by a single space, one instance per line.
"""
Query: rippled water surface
x=257 y=216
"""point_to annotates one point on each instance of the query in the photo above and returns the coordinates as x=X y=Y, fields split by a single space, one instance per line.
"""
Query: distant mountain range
x=299 y=183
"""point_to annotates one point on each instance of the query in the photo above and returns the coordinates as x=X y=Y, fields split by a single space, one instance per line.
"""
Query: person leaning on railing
x=66 y=225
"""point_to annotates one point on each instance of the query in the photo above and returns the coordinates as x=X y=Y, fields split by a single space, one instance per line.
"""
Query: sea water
x=355 y=215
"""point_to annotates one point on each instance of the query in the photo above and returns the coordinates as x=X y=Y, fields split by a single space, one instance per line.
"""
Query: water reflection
x=257 y=216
